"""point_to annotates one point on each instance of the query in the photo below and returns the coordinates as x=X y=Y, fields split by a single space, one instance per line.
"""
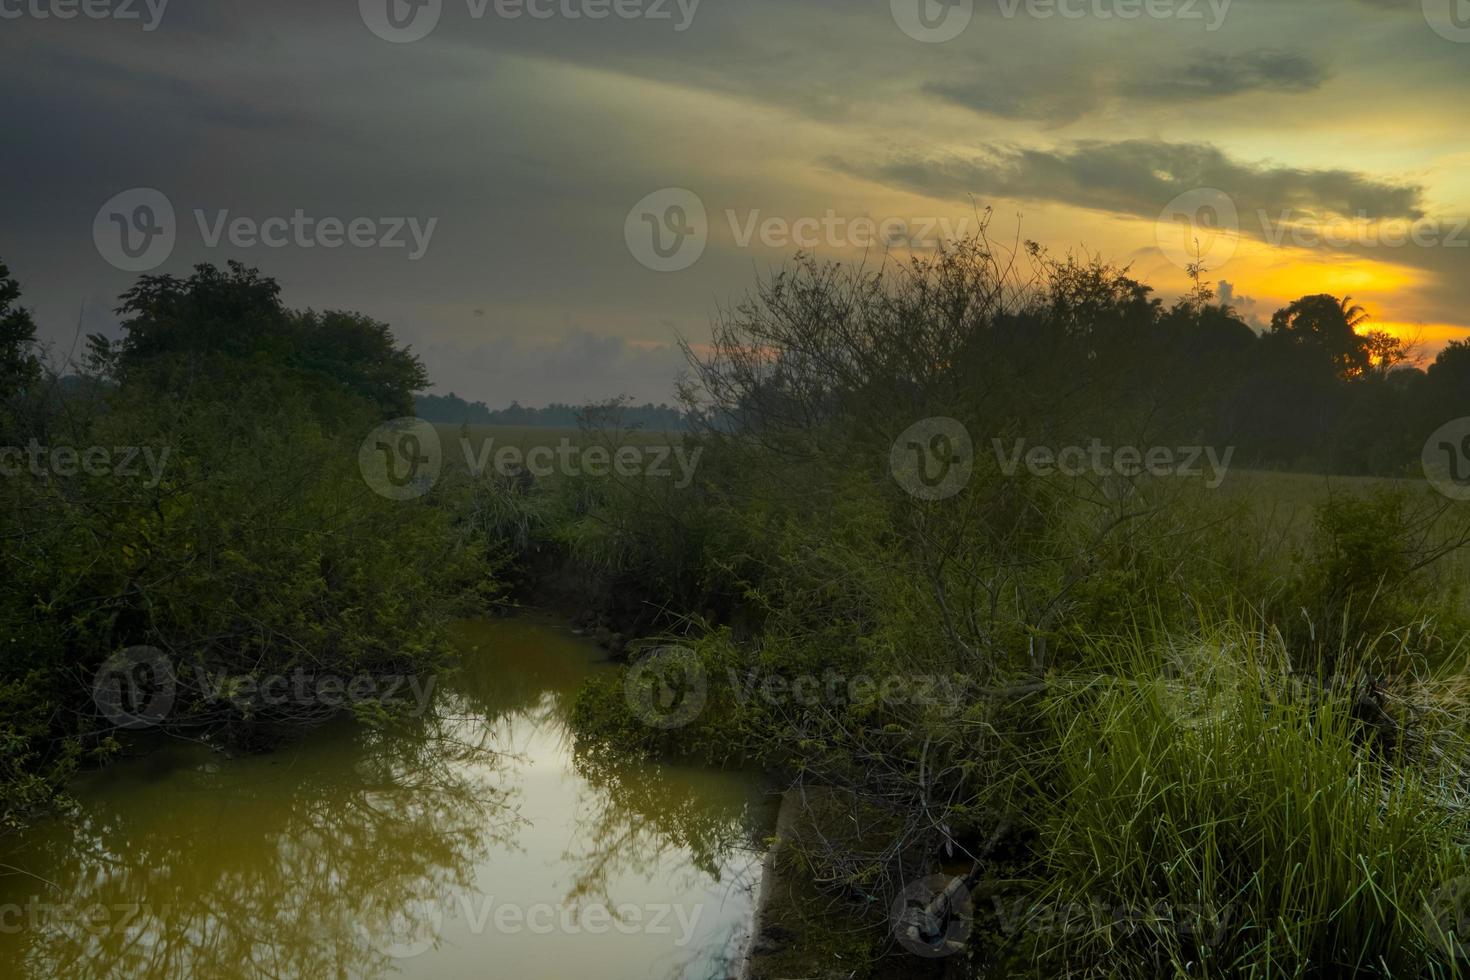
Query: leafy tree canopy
x=18 y=365
x=236 y=314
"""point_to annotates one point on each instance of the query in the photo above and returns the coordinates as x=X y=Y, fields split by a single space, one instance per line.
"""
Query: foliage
x=1180 y=810
x=1139 y=690
x=18 y=365
x=189 y=326
x=249 y=548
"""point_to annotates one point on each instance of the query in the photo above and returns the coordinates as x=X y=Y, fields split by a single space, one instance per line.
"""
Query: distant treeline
x=452 y=409
x=1089 y=352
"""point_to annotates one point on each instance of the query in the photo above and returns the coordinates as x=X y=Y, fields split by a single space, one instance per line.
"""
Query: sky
x=542 y=196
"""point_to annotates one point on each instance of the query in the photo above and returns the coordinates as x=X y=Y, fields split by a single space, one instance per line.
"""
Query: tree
x=1450 y=371
x=1354 y=314
x=235 y=312
x=360 y=354
x=217 y=320
x=1384 y=350
x=1447 y=385
x=1325 y=324
x=18 y=365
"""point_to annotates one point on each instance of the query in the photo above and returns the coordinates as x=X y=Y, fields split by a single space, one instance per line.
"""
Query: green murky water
x=479 y=843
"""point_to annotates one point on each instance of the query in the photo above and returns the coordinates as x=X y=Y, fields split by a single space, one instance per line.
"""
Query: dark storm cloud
x=1140 y=177
x=1208 y=76
x=1009 y=97
x=1070 y=93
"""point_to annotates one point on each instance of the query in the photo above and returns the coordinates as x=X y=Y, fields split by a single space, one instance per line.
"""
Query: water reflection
x=477 y=842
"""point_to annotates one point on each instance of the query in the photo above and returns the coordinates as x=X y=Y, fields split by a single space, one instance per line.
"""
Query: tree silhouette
x=18 y=366
x=1325 y=324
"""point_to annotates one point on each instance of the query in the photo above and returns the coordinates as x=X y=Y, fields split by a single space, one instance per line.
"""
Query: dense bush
x=1233 y=816
x=1143 y=691
x=250 y=547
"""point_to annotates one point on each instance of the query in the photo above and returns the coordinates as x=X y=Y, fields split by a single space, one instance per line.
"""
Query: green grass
x=1250 y=826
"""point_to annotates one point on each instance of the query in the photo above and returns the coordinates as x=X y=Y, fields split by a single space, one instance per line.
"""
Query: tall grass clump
x=1231 y=819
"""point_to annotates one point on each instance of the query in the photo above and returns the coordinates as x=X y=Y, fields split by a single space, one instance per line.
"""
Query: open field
x=1284 y=506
